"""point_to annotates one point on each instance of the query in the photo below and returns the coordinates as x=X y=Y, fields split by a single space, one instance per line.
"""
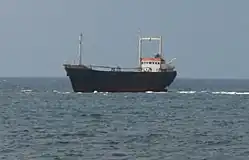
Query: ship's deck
x=107 y=68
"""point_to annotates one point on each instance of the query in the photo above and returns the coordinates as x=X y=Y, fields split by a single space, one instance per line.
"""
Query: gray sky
x=209 y=39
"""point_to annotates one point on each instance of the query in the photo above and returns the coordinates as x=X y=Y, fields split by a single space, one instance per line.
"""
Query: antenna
x=80 y=49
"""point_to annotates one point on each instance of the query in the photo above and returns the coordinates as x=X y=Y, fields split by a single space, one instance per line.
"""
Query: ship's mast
x=160 y=47
x=139 y=48
x=80 y=49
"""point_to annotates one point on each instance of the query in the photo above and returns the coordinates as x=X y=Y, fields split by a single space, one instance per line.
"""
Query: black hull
x=88 y=80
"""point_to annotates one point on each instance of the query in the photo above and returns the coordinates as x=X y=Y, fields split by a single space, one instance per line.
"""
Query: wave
x=55 y=91
x=217 y=92
x=231 y=93
x=154 y=92
x=186 y=92
x=28 y=91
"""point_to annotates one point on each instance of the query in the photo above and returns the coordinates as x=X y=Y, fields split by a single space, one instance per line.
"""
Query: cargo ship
x=152 y=73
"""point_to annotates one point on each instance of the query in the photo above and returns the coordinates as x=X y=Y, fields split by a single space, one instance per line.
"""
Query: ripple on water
x=39 y=124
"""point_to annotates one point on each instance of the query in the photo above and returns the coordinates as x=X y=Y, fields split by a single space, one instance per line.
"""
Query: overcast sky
x=209 y=39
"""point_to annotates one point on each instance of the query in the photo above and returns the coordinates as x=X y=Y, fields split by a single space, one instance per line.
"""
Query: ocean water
x=42 y=119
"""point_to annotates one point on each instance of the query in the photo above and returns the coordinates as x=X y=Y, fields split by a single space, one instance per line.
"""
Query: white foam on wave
x=231 y=93
x=26 y=90
x=55 y=91
x=218 y=92
x=104 y=93
x=148 y=92
x=154 y=92
x=186 y=92
x=95 y=92
x=204 y=91
x=3 y=80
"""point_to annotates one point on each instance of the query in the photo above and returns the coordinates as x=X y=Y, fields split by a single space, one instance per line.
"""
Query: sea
x=197 y=119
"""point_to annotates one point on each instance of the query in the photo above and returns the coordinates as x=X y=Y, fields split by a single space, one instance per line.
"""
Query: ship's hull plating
x=88 y=80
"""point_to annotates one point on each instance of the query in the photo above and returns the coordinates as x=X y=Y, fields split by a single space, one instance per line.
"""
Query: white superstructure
x=156 y=63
